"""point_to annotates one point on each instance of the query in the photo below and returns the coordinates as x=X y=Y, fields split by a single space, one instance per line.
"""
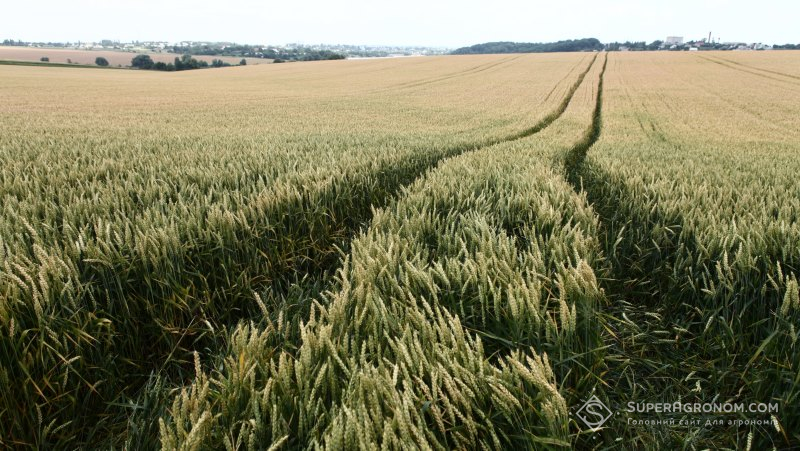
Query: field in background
x=115 y=58
x=444 y=252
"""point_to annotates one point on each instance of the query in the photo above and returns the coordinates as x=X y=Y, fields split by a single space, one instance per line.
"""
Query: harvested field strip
x=458 y=318
x=293 y=230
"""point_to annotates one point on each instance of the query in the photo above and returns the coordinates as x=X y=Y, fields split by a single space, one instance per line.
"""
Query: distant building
x=674 y=40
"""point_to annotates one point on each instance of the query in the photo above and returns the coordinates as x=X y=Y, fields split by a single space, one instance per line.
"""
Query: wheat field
x=701 y=200
x=425 y=253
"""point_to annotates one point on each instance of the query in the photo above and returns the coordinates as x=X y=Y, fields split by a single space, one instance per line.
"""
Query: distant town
x=706 y=43
x=289 y=51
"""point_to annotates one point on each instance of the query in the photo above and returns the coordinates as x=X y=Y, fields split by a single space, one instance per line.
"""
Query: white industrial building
x=674 y=40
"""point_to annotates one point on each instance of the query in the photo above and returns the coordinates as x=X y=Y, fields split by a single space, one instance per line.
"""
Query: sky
x=431 y=23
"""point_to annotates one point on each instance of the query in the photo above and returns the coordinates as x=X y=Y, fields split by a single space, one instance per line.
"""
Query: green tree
x=142 y=62
x=243 y=62
x=100 y=61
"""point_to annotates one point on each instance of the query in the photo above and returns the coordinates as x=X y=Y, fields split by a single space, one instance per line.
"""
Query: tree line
x=185 y=62
x=588 y=44
x=570 y=45
x=251 y=51
x=635 y=45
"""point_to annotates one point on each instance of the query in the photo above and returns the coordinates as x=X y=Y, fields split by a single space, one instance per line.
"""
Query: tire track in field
x=755 y=114
x=319 y=278
x=451 y=153
x=619 y=359
x=615 y=220
x=550 y=118
x=304 y=249
x=593 y=181
x=629 y=279
x=437 y=78
x=647 y=307
x=577 y=154
x=458 y=73
x=743 y=69
x=549 y=94
x=467 y=72
x=301 y=293
x=309 y=290
x=307 y=271
x=784 y=74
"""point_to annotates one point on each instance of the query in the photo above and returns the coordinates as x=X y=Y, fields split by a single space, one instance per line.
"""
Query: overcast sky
x=447 y=23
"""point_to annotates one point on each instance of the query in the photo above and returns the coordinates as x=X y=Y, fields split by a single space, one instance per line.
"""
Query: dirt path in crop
x=299 y=294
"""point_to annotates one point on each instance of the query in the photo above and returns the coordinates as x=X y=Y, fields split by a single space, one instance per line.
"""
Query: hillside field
x=115 y=57
x=525 y=251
